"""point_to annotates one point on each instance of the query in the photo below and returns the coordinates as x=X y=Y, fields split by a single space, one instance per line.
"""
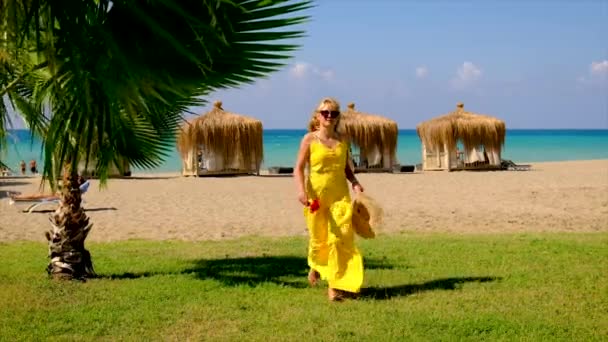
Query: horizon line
x=413 y=129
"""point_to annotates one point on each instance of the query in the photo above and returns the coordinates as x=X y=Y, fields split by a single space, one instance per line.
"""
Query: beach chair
x=280 y=170
x=511 y=166
x=38 y=201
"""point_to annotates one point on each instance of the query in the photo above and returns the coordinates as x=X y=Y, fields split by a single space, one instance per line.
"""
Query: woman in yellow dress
x=332 y=254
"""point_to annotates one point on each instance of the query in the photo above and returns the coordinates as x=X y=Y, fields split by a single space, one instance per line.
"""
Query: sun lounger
x=280 y=170
x=403 y=168
x=511 y=166
x=520 y=167
x=35 y=202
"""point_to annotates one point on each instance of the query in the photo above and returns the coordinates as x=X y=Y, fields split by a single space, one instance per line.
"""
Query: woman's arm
x=350 y=173
x=298 y=172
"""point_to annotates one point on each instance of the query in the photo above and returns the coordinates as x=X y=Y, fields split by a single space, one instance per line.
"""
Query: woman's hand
x=303 y=198
x=357 y=188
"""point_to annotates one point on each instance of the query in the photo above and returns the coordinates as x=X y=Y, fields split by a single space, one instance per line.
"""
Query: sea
x=281 y=147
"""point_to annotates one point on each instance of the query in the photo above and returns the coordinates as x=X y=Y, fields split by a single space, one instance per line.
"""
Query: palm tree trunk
x=70 y=227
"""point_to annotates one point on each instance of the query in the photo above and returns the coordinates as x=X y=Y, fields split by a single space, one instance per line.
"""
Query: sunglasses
x=329 y=114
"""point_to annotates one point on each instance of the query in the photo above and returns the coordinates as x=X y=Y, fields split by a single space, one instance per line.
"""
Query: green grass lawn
x=418 y=287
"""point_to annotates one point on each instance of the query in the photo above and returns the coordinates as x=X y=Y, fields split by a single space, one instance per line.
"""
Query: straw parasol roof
x=2 y=165
x=367 y=130
x=226 y=134
x=472 y=129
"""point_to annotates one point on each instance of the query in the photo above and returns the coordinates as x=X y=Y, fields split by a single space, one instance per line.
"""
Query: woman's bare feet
x=313 y=277
x=335 y=295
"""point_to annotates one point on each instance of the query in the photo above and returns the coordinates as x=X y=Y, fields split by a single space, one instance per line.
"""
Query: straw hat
x=367 y=216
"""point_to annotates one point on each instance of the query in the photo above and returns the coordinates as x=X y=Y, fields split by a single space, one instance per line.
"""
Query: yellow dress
x=331 y=249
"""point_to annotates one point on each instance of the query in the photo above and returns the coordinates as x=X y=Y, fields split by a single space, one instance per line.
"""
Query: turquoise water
x=281 y=147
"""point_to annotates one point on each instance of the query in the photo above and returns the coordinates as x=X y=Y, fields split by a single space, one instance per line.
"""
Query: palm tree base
x=69 y=259
x=69 y=229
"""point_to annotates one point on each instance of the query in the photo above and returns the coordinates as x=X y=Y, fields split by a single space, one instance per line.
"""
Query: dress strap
x=316 y=135
x=339 y=136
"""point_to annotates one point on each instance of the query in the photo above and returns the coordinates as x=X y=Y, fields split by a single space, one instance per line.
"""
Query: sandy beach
x=552 y=197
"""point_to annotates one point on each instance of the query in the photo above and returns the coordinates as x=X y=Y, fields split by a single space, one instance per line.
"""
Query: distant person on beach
x=332 y=255
x=22 y=167
x=33 y=167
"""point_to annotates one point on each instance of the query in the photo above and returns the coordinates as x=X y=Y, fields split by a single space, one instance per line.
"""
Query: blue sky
x=534 y=64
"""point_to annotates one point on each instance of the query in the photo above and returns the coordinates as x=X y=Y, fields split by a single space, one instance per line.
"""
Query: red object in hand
x=314 y=205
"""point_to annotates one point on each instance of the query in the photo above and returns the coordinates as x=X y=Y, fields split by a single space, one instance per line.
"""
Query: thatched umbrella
x=235 y=140
x=370 y=132
x=474 y=130
x=4 y=169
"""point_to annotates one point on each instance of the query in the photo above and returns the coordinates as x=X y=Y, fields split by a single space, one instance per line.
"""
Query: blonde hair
x=314 y=123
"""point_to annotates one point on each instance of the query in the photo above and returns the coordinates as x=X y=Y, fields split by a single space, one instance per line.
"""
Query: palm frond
x=120 y=74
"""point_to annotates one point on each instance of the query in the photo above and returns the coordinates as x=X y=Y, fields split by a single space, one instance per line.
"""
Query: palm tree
x=117 y=77
x=16 y=74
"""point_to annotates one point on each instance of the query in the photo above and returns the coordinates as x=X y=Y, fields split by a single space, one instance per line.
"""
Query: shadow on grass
x=251 y=271
x=128 y=275
x=281 y=270
x=254 y=270
x=382 y=293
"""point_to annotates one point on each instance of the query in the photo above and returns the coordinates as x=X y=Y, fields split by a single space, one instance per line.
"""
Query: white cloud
x=421 y=72
x=467 y=74
x=299 y=70
x=303 y=70
x=598 y=74
x=599 y=68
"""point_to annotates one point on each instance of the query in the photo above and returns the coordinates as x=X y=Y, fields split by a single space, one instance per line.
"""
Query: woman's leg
x=344 y=260
x=313 y=277
x=317 y=246
x=334 y=295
